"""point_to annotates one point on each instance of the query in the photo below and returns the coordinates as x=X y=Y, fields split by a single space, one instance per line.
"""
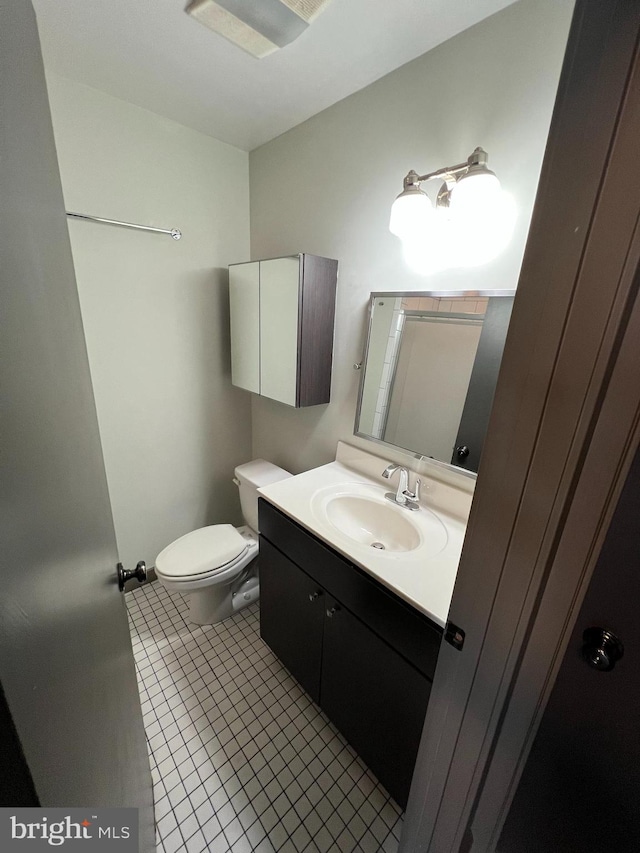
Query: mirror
x=429 y=371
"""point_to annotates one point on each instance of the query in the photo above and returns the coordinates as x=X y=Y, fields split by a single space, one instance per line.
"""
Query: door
x=66 y=664
x=374 y=697
x=244 y=308
x=291 y=616
x=279 y=300
x=581 y=784
x=562 y=432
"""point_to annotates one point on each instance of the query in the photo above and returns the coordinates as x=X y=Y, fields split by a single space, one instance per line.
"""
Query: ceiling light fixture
x=259 y=28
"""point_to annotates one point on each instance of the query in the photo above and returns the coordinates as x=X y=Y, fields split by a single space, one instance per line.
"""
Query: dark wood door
x=580 y=790
x=375 y=698
x=291 y=616
x=66 y=664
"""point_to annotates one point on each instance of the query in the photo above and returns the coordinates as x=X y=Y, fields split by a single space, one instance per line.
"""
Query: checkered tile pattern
x=241 y=757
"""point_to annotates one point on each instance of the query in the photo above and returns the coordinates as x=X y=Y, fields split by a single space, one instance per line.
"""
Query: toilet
x=216 y=565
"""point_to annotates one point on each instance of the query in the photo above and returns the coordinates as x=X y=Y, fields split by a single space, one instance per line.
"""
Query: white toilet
x=216 y=565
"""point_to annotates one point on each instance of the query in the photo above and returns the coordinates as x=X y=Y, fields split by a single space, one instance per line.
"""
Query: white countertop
x=421 y=577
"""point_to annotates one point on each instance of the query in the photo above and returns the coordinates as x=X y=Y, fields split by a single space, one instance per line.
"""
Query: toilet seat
x=216 y=567
x=203 y=554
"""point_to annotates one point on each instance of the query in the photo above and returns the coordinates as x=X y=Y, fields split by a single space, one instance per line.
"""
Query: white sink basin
x=362 y=514
x=371 y=523
x=343 y=504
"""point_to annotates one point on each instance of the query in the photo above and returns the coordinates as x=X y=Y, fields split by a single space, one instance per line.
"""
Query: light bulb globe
x=411 y=213
x=471 y=193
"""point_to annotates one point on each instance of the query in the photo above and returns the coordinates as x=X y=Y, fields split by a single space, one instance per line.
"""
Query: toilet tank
x=249 y=478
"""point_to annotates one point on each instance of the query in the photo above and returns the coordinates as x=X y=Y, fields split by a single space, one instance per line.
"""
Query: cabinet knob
x=332 y=610
x=314 y=595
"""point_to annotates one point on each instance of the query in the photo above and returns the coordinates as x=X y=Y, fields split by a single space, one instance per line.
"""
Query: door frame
x=562 y=434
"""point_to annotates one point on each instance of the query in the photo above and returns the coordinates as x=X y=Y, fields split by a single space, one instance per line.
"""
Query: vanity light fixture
x=470 y=223
x=466 y=189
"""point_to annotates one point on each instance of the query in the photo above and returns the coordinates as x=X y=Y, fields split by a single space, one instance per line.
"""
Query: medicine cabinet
x=282 y=318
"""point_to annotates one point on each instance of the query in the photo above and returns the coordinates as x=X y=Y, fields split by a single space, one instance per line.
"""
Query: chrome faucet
x=403 y=497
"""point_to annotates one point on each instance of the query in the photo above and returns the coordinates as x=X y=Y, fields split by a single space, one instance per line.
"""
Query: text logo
x=101 y=830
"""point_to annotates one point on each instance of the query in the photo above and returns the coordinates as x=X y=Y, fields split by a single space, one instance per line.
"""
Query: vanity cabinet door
x=374 y=697
x=291 y=616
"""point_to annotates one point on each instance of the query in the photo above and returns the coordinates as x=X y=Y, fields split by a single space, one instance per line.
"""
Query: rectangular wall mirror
x=429 y=371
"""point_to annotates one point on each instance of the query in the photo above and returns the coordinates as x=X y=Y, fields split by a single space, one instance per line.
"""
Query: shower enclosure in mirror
x=429 y=371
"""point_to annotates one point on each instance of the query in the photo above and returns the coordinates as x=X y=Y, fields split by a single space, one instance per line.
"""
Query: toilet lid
x=201 y=551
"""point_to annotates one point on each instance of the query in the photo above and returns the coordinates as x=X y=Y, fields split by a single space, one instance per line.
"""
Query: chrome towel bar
x=174 y=232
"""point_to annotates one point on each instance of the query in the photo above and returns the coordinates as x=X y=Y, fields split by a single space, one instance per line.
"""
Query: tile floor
x=241 y=757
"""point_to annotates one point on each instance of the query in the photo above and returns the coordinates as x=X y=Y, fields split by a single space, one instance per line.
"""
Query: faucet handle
x=414 y=496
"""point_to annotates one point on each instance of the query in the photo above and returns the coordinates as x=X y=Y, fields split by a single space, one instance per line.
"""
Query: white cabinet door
x=244 y=304
x=279 y=288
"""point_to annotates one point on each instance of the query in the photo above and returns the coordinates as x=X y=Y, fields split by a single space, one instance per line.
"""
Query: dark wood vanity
x=366 y=657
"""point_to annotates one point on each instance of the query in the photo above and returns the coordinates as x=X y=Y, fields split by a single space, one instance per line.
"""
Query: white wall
x=326 y=187
x=155 y=311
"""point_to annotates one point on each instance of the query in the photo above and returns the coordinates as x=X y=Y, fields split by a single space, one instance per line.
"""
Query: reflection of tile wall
x=391 y=353
x=441 y=304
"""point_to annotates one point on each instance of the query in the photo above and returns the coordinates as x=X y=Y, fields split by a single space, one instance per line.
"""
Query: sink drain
x=378 y=545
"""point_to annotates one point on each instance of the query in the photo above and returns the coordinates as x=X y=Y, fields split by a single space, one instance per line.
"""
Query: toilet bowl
x=216 y=566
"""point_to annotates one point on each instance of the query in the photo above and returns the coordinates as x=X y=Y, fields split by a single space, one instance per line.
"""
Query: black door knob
x=601 y=649
x=462 y=451
x=124 y=575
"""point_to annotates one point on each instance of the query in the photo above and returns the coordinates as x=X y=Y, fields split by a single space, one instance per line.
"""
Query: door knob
x=332 y=610
x=601 y=649
x=124 y=575
x=314 y=595
x=462 y=451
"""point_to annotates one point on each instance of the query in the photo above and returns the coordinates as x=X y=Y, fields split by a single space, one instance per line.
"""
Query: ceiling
x=150 y=53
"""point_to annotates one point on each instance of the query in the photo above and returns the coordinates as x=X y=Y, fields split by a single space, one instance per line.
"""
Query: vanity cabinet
x=364 y=656
x=282 y=317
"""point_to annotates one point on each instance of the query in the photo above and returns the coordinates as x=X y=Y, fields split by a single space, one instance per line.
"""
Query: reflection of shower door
x=66 y=663
x=430 y=382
